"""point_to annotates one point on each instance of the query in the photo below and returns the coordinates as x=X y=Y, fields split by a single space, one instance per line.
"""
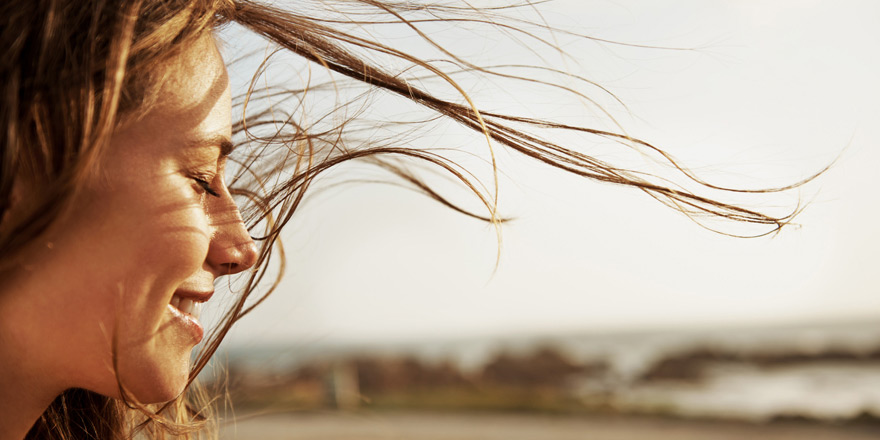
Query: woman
x=117 y=213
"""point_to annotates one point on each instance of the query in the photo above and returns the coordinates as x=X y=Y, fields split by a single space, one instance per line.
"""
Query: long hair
x=72 y=71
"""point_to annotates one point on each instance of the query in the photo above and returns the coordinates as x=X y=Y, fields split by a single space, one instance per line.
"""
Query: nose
x=232 y=250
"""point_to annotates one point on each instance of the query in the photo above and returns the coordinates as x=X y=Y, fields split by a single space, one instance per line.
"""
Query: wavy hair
x=73 y=71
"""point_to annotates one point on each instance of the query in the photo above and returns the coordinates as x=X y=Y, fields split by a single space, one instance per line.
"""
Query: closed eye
x=206 y=186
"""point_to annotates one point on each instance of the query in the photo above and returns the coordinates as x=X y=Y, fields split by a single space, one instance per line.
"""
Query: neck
x=22 y=400
x=27 y=386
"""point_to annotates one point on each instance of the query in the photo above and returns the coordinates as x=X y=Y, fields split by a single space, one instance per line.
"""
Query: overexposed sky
x=774 y=90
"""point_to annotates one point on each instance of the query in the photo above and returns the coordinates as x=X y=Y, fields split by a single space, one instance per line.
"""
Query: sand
x=443 y=426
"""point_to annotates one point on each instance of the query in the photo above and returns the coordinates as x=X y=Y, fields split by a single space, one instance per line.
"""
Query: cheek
x=175 y=244
x=171 y=235
x=167 y=249
x=128 y=263
x=117 y=263
x=160 y=231
x=154 y=359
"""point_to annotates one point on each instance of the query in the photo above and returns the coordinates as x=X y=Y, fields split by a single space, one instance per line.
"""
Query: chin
x=154 y=379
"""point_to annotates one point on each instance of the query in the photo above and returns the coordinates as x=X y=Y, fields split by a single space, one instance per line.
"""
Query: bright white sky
x=778 y=89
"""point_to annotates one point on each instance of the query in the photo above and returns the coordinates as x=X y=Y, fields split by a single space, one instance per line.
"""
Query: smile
x=186 y=307
x=190 y=302
x=189 y=306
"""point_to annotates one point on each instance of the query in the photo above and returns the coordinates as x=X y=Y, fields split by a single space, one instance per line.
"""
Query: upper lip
x=195 y=295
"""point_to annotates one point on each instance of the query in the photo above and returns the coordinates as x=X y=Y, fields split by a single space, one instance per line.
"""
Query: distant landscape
x=810 y=374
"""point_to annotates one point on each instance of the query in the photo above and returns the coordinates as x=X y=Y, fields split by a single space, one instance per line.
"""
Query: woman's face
x=152 y=231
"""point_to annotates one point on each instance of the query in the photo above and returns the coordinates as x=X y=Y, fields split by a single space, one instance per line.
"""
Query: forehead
x=192 y=106
x=194 y=80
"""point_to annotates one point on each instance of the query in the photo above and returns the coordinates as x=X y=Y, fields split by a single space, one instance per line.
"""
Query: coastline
x=382 y=425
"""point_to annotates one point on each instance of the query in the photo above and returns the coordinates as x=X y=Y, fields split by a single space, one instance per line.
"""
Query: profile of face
x=116 y=288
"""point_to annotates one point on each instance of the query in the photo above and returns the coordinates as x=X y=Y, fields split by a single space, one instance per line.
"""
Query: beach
x=499 y=426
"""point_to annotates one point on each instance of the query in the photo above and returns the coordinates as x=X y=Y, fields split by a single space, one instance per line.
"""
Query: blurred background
x=608 y=313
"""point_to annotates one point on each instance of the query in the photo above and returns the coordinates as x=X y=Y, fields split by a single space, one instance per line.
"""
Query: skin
x=145 y=229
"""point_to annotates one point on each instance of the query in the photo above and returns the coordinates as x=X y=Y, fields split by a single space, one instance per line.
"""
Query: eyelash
x=206 y=186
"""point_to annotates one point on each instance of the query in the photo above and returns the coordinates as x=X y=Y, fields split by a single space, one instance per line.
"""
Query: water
x=822 y=372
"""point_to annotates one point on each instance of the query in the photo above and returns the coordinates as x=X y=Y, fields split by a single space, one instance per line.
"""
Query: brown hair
x=73 y=70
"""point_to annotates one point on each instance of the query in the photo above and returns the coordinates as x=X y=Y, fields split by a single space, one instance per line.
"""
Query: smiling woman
x=116 y=220
x=155 y=227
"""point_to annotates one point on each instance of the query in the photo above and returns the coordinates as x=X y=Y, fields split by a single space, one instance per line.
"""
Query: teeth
x=196 y=310
x=186 y=305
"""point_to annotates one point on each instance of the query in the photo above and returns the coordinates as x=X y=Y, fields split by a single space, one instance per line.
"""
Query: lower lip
x=189 y=322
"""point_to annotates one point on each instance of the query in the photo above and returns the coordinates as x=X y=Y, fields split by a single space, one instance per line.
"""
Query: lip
x=190 y=322
x=187 y=321
x=195 y=295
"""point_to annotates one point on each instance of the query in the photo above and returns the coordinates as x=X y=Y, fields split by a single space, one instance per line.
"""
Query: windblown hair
x=73 y=71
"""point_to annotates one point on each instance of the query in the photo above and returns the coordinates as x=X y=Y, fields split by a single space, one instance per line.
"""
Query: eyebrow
x=225 y=144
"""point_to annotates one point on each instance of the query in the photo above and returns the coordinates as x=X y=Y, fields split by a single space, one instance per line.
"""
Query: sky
x=771 y=92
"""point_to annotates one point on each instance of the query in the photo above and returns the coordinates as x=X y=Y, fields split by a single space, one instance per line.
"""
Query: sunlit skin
x=146 y=228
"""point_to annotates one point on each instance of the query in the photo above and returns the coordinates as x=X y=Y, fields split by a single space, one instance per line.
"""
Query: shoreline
x=435 y=425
